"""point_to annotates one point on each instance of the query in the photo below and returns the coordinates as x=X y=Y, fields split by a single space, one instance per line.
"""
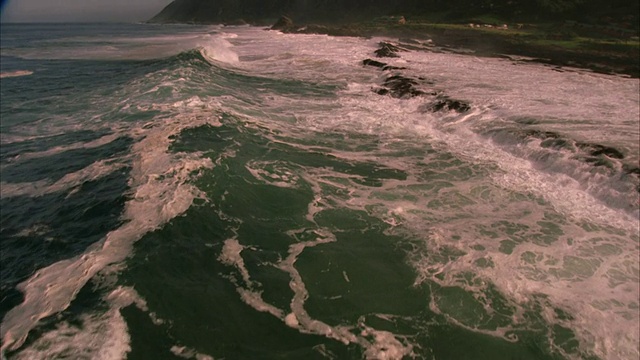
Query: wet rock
x=389 y=67
x=526 y=121
x=369 y=62
x=598 y=161
x=314 y=29
x=631 y=170
x=381 y=65
x=387 y=50
x=597 y=149
x=557 y=143
x=381 y=91
x=549 y=139
x=402 y=87
x=449 y=105
x=283 y=23
x=539 y=134
x=399 y=86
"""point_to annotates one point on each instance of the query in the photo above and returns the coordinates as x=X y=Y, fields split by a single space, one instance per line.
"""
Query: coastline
x=611 y=57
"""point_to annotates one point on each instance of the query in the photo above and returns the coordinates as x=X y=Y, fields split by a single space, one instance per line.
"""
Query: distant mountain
x=261 y=11
x=193 y=11
x=267 y=11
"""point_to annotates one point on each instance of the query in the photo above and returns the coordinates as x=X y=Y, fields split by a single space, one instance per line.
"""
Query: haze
x=80 y=10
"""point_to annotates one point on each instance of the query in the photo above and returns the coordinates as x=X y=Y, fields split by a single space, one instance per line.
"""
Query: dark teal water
x=207 y=192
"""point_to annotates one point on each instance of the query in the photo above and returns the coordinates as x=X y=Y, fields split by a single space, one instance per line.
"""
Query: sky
x=80 y=10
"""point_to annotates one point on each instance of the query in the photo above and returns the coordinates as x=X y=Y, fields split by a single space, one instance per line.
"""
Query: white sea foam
x=598 y=288
x=160 y=191
x=217 y=48
x=231 y=256
x=274 y=173
x=101 y=336
x=376 y=343
x=497 y=90
x=16 y=73
x=385 y=346
x=572 y=282
x=189 y=353
x=254 y=299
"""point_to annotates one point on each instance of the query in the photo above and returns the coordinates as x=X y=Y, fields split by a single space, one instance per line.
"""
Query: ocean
x=210 y=192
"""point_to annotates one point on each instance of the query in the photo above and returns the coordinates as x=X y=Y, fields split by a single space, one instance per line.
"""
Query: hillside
x=622 y=14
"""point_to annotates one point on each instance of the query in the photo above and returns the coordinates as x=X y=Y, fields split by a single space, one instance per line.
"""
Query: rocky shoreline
x=400 y=86
x=483 y=43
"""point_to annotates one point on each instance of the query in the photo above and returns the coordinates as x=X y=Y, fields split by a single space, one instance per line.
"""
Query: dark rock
x=402 y=87
x=399 y=79
x=381 y=65
x=549 y=139
x=526 y=121
x=387 y=50
x=389 y=67
x=557 y=144
x=597 y=149
x=542 y=135
x=283 y=23
x=381 y=91
x=449 y=104
x=314 y=29
x=631 y=170
x=598 y=161
x=369 y=62
x=343 y=31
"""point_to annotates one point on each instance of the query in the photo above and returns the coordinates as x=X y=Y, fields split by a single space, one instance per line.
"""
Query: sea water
x=229 y=192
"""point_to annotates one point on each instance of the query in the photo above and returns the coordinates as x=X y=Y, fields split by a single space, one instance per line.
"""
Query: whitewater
x=209 y=192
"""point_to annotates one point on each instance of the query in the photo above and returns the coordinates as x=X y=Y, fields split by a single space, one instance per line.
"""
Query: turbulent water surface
x=230 y=192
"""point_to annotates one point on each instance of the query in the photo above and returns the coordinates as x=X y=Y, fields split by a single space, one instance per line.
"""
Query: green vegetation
x=559 y=43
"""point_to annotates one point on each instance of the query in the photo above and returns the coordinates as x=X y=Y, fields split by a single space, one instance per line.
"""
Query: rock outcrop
x=388 y=50
x=448 y=104
x=380 y=65
x=284 y=23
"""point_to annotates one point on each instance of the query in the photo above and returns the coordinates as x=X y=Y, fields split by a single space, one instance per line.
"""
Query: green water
x=233 y=193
